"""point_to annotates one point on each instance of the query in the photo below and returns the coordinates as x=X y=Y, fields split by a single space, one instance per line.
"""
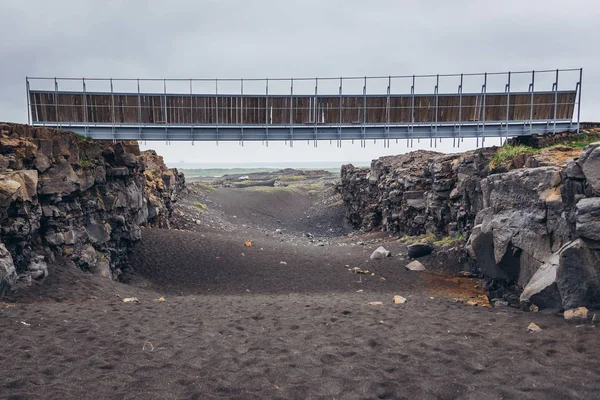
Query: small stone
x=415 y=266
x=278 y=231
x=499 y=303
x=380 y=253
x=576 y=313
x=533 y=328
x=375 y=303
x=131 y=300
x=359 y=291
x=282 y=263
x=534 y=308
x=399 y=300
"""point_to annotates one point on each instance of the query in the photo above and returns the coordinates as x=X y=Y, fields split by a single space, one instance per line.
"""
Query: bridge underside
x=312 y=132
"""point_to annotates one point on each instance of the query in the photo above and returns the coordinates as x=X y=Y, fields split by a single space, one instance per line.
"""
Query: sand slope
x=248 y=327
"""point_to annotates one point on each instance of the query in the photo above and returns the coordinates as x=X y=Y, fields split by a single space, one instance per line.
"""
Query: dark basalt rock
x=77 y=199
x=417 y=250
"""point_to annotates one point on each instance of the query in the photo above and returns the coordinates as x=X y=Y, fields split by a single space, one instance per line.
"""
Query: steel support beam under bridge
x=311 y=133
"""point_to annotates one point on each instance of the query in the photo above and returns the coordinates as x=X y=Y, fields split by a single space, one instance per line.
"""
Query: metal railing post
x=315 y=107
x=507 y=90
x=387 y=112
x=85 y=116
x=341 y=113
x=579 y=99
x=242 y=109
x=483 y=110
x=267 y=111
x=555 y=101
x=532 y=88
x=437 y=83
x=166 y=111
x=291 y=112
x=28 y=101
x=412 y=111
x=192 y=110
x=112 y=96
x=139 y=96
x=56 y=102
x=217 y=109
x=460 y=121
x=364 y=141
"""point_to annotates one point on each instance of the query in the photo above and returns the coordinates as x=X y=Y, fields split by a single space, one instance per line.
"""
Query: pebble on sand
x=131 y=300
x=576 y=313
x=380 y=253
x=415 y=266
x=375 y=303
x=399 y=299
x=533 y=328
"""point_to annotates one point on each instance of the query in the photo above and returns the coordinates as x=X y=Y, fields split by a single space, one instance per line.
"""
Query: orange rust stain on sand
x=462 y=290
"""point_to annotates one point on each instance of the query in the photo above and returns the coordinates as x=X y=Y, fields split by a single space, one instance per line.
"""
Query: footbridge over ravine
x=457 y=106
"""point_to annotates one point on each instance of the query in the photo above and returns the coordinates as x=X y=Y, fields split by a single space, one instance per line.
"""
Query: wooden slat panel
x=183 y=109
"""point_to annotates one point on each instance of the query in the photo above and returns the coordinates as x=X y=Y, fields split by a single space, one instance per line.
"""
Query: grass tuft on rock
x=508 y=152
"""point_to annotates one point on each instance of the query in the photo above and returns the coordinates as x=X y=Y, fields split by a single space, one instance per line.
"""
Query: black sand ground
x=237 y=323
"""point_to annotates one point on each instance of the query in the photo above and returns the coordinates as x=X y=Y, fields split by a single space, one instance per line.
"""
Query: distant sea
x=191 y=169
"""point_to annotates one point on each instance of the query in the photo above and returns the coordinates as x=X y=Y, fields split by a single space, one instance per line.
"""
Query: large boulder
x=578 y=275
x=417 y=250
x=18 y=185
x=588 y=220
x=59 y=180
x=590 y=165
x=542 y=289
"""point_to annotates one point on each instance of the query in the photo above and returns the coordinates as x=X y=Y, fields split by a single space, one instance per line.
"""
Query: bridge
x=456 y=106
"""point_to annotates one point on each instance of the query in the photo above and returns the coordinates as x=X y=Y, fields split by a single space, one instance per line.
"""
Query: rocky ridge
x=531 y=223
x=82 y=201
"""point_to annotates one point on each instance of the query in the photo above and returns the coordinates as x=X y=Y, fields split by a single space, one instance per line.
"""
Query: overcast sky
x=276 y=38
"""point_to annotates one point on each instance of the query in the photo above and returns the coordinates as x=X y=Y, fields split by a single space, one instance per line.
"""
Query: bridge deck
x=304 y=116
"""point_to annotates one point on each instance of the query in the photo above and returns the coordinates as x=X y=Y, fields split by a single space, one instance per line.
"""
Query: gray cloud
x=240 y=38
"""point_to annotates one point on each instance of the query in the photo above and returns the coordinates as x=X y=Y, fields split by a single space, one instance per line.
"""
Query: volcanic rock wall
x=84 y=201
x=533 y=224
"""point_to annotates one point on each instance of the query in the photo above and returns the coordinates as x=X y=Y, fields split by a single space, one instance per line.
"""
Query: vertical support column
x=555 y=87
x=192 y=111
x=217 y=109
x=484 y=90
x=85 y=117
x=579 y=99
x=340 y=112
x=166 y=111
x=56 y=102
x=139 y=110
x=507 y=90
x=28 y=101
x=316 y=108
x=267 y=110
x=112 y=97
x=291 y=112
x=387 y=112
x=412 y=111
x=532 y=89
x=364 y=142
x=437 y=84
x=242 y=109
x=460 y=121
